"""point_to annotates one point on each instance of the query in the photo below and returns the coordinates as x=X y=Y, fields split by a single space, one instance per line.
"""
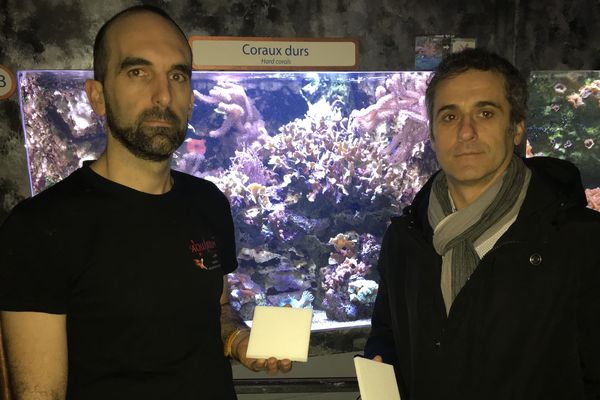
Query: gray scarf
x=481 y=218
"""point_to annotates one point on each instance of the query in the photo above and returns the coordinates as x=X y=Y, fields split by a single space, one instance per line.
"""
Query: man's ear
x=95 y=94
x=519 y=133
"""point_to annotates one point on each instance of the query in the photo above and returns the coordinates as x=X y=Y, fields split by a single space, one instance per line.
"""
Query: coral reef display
x=314 y=165
x=61 y=130
x=564 y=122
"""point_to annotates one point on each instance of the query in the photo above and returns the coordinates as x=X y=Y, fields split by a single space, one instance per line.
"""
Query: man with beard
x=489 y=280
x=112 y=282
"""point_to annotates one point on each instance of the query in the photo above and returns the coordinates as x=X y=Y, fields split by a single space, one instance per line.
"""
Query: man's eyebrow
x=136 y=61
x=133 y=61
x=444 y=108
x=488 y=103
x=479 y=104
x=186 y=69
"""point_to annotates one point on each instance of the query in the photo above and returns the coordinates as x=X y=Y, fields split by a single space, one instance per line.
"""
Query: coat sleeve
x=588 y=320
x=387 y=317
x=381 y=340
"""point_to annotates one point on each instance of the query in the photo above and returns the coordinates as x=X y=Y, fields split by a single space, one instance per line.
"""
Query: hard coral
x=240 y=114
x=400 y=110
x=245 y=294
x=363 y=291
x=593 y=198
x=588 y=91
x=337 y=276
x=323 y=158
x=402 y=94
x=348 y=295
x=62 y=131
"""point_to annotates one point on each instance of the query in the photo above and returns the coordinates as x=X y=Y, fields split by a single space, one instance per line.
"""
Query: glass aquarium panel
x=564 y=122
x=313 y=164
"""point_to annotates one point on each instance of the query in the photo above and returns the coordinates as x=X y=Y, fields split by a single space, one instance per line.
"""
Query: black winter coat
x=527 y=323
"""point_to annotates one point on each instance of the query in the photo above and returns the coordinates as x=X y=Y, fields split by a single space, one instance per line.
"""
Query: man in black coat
x=490 y=279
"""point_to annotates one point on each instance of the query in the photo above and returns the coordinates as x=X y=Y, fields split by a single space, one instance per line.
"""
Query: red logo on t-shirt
x=200 y=263
x=204 y=254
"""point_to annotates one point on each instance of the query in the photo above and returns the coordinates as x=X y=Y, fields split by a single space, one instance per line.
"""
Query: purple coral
x=248 y=164
x=369 y=248
x=340 y=277
x=338 y=309
x=336 y=276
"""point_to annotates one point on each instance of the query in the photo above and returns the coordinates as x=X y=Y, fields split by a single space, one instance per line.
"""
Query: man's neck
x=464 y=195
x=122 y=167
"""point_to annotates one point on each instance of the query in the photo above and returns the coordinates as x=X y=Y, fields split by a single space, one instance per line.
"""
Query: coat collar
x=555 y=187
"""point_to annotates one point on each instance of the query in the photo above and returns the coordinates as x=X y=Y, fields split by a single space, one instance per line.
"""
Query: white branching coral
x=332 y=160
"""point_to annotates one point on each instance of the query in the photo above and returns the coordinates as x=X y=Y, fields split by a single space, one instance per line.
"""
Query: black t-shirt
x=139 y=277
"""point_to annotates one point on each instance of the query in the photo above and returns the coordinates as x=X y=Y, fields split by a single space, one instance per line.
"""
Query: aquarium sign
x=259 y=53
x=8 y=83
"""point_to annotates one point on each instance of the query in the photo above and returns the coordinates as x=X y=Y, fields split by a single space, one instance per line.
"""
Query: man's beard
x=152 y=143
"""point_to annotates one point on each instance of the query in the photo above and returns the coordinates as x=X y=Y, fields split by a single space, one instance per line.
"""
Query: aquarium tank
x=313 y=164
x=564 y=122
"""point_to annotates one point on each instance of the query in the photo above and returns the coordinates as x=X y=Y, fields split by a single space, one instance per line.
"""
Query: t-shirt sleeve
x=31 y=275
x=228 y=237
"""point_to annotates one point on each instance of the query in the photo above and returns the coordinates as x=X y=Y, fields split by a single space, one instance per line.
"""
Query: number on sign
x=7 y=83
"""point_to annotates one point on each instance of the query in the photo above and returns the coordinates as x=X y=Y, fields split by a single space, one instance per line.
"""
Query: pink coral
x=239 y=112
x=402 y=94
x=196 y=146
x=400 y=106
x=593 y=198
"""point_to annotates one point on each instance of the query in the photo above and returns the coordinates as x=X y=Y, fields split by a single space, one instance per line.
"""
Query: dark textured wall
x=57 y=34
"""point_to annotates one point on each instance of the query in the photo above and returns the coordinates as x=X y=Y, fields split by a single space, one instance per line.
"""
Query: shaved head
x=101 y=48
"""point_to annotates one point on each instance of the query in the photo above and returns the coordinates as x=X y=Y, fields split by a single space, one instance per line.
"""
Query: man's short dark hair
x=101 y=50
x=515 y=84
